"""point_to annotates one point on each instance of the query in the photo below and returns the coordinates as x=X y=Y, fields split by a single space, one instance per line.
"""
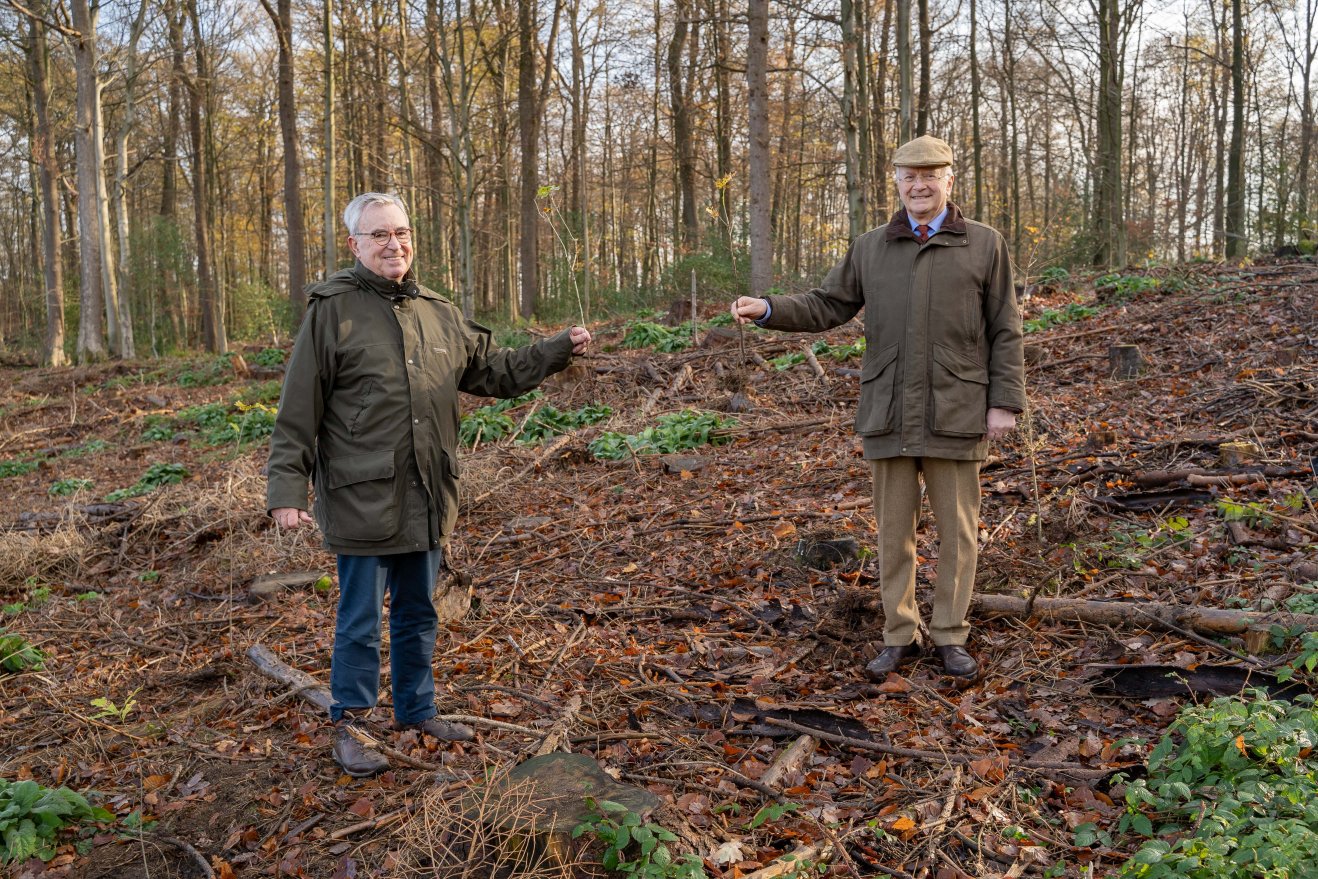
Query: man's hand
x=749 y=308
x=580 y=337
x=1000 y=423
x=291 y=517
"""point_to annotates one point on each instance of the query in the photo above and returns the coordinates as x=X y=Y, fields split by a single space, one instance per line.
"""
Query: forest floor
x=663 y=618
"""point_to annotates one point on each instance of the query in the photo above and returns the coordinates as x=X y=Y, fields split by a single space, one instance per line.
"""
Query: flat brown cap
x=923 y=152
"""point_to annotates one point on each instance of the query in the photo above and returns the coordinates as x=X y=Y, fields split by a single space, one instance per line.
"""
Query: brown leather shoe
x=957 y=661
x=356 y=759
x=889 y=659
x=444 y=730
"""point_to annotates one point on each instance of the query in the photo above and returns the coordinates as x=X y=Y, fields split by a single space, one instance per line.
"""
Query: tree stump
x=520 y=823
x=1125 y=360
x=1238 y=454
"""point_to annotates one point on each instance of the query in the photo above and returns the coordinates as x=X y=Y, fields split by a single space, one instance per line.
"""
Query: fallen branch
x=1204 y=620
x=1071 y=769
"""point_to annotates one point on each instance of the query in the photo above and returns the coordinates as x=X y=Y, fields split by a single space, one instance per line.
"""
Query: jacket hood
x=900 y=224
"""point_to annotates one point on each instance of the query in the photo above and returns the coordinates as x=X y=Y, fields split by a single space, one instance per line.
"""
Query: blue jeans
x=409 y=579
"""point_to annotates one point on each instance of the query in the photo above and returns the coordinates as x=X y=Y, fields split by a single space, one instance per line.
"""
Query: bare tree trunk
x=1109 y=223
x=43 y=151
x=294 y=219
x=904 y=84
x=976 y=97
x=530 y=113
x=454 y=77
x=680 y=88
x=91 y=344
x=723 y=122
x=853 y=112
x=331 y=219
x=212 y=307
x=118 y=201
x=1237 y=244
x=926 y=62
x=760 y=167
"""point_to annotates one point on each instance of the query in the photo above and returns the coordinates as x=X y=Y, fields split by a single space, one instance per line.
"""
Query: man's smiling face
x=393 y=258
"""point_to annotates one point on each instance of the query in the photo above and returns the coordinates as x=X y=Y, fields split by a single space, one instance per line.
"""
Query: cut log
x=1125 y=361
x=310 y=689
x=1126 y=614
x=270 y=586
x=1238 y=454
x=789 y=761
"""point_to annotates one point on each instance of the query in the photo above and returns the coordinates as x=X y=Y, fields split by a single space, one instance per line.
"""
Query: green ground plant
x=548 y=421
x=17 y=655
x=665 y=340
x=676 y=432
x=1231 y=793
x=156 y=475
x=634 y=846
x=66 y=487
x=820 y=348
x=1051 y=317
x=492 y=423
x=32 y=818
x=18 y=466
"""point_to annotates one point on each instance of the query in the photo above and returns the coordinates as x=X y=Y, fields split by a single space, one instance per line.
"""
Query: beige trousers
x=953 y=489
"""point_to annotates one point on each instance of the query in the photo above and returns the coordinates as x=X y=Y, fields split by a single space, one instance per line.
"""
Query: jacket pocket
x=876 y=413
x=359 y=496
x=960 y=391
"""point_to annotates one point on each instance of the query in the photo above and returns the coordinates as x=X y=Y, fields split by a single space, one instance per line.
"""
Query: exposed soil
x=659 y=618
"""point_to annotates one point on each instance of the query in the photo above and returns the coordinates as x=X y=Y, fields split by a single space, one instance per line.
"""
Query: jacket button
x=418 y=421
x=409 y=362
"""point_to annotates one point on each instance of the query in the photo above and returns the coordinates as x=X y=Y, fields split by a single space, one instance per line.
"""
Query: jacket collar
x=900 y=225
x=368 y=280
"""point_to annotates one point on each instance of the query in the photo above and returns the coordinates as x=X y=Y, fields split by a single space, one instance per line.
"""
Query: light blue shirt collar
x=934 y=225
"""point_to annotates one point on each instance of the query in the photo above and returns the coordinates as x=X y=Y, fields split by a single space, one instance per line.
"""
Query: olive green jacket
x=942 y=329
x=369 y=410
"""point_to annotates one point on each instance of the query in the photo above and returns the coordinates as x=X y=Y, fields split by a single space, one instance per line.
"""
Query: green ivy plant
x=666 y=340
x=635 y=847
x=32 y=817
x=1231 y=793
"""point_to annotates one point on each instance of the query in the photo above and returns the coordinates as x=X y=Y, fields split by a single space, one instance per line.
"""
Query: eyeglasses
x=926 y=177
x=382 y=236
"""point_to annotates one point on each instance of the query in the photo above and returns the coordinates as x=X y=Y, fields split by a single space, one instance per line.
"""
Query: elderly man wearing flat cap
x=943 y=375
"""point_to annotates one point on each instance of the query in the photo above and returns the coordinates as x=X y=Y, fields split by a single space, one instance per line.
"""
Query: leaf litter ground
x=660 y=618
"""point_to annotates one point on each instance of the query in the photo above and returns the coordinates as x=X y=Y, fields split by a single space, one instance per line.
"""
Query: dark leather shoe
x=957 y=661
x=889 y=659
x=443 y=730
x=356 y=759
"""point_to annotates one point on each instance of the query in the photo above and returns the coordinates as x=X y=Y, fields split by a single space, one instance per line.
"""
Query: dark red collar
x=900 y=224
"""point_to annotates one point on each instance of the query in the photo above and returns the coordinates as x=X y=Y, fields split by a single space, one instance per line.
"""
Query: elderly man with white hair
x=369 y=414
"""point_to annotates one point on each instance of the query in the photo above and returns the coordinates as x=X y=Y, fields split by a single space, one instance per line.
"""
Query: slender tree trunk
x=530 y=113
x=976 y=98
x=723 y=122
x=212 y=307
x=294 y=219
x=904 y=84
x=680 y=88
x=853 y=111
x=926 y=62
x=760 y=168
x=43 y=151
x=1237 y=244
x=91 y=342
x=330 y=214
x=118 y=194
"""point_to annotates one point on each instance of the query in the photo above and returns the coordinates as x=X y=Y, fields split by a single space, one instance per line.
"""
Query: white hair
x=897 y=169
x=352 y=214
